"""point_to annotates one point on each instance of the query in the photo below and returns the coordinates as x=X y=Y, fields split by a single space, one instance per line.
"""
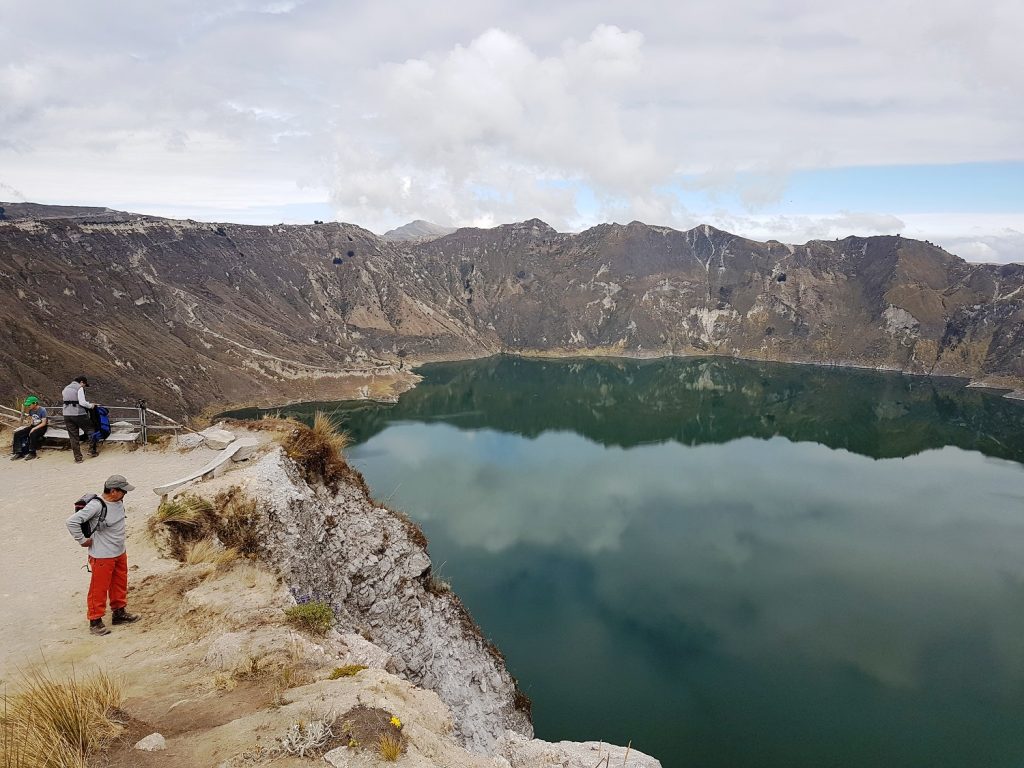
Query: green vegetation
x=347 y=671
x=315 y=617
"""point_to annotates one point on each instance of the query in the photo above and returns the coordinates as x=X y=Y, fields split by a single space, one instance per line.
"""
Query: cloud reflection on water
x=772 y=547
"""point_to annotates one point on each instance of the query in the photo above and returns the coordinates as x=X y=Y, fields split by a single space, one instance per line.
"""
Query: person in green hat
x=28 y=439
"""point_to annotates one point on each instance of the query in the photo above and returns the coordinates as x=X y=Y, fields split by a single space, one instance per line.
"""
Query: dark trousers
x=75 y=424
x=27 y=441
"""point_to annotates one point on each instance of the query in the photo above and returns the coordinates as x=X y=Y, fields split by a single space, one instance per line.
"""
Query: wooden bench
x=57 y=433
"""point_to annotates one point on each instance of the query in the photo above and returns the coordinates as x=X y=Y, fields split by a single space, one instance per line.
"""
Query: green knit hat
x=31 y=400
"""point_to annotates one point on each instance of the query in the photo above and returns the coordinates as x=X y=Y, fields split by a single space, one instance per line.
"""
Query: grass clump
x=190 y=526
x=315 y=617
x=317 y=450
x=390 y=746
x=346 y=671
x=182 y=512
x=212 y=552
x=58 y=723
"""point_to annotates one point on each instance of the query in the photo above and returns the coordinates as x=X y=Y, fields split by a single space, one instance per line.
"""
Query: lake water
x=729 y=564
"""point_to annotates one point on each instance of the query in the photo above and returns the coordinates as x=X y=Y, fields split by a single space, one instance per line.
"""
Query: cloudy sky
x=794 y=119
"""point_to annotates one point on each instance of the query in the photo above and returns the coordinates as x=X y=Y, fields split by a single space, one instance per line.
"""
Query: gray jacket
x=75 y=393
x=108 y=539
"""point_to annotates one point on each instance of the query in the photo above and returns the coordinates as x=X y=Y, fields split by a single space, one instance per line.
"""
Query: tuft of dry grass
x=184 y=511
x=212 y=552
x=390 y=746
x=180 y=522
x=317 y=450
x=58 y=723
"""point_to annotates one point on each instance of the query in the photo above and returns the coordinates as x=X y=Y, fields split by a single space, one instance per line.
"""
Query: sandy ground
x=213 y=710
x=43 y=581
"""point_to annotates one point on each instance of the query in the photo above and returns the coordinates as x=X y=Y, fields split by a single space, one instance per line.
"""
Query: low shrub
x=315 y=617
x=238 y=522
x=190 y=522
x=347 y=671
x=305 y=738
x=372 y=729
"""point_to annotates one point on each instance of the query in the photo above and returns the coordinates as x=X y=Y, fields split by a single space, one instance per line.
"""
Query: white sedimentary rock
x=217 y=439
x=152 y=743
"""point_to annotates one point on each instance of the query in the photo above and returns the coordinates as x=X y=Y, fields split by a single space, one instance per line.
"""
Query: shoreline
x=412 y=377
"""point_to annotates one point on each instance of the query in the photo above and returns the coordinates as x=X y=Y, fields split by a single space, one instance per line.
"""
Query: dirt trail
x=42 y=577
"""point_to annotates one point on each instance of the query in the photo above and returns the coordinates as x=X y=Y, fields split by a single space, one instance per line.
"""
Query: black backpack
x=89 y=526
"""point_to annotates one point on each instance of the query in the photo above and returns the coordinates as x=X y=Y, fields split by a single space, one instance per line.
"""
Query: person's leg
x=35 y=439
x=71 y=424
x=119 y=582
x=99 y=586
x=119 y=591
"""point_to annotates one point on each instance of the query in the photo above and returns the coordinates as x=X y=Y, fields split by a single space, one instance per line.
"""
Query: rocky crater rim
x=194 y=316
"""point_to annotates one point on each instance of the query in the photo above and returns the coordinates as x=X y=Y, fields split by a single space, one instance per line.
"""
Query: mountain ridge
x=187 y=314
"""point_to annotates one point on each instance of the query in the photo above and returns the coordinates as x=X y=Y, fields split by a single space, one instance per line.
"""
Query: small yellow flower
x=396 y=722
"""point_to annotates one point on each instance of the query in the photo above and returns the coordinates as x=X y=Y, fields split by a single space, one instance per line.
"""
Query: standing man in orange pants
x=108 y=559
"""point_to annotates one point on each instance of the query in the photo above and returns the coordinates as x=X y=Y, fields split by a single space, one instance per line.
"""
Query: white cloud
x=484 y=115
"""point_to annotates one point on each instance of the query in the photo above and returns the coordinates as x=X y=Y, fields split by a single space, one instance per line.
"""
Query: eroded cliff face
x=188 y=314
x=371 y=565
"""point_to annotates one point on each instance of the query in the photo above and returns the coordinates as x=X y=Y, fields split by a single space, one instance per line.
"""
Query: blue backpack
x=101 y=424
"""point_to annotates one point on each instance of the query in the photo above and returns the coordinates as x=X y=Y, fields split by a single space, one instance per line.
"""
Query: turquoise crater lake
x=729 y=564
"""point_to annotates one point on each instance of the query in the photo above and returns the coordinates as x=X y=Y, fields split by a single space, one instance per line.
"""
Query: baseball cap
x=31 y=400
x=118 y=482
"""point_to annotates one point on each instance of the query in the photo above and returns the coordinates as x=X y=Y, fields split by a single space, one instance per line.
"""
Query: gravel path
x=42 y=576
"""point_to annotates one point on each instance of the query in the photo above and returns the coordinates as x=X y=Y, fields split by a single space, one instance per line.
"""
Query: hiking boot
x=121 y=616
x=97 y=627
x=17 y=456
x=93 y=454
x=31 y=456
x=79 y=459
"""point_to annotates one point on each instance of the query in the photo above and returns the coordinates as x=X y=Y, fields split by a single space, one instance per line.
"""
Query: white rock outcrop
x=535 y=753
x=217 y=439
x=371 y=565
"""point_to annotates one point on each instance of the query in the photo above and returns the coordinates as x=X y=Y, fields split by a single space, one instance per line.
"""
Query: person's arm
x=81 y=399
x=74 y=523
x=43 y=422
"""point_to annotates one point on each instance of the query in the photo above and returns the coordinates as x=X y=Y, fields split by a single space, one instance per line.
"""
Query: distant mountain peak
x=417 y=230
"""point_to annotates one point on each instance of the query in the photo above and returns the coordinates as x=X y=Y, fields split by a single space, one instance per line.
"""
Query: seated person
x=28 y=439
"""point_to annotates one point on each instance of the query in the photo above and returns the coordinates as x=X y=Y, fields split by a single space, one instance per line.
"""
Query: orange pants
x=109 y=577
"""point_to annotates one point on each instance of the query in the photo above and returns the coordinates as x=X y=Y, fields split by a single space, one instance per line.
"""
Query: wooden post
x=142 y=421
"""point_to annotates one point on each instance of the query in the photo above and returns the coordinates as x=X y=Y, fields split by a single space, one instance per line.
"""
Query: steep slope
x=880 y=302
x=189 y=315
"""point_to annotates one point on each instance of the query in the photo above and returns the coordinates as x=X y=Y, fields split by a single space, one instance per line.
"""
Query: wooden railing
x=141 y=418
